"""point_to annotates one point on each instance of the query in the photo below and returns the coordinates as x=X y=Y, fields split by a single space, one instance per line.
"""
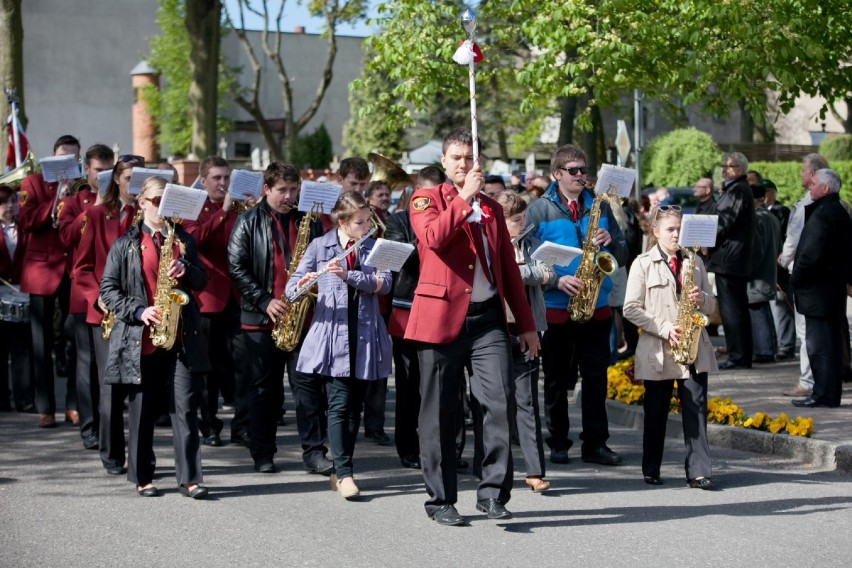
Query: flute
x=302 y=290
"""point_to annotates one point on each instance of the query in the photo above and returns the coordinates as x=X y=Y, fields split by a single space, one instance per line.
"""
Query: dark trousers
x=482 y=340
x=110 y=408
x=183 y=394
x=310 y=398
x=266 y=364
x=345 y=399
x=585 y=345
x=736 y=318
x=88 y=391
x=42 y=330
x=15 y=356
x=375 y=401
x=242 y=387
x=784 y=317
x=218 y=329
x=693 y=397
x=824 y=342
x=407 y=411
x=762 y=330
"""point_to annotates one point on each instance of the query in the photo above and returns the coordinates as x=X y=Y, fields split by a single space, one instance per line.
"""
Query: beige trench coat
x=651 y=304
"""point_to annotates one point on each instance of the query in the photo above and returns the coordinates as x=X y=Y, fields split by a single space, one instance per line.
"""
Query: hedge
x=788 y=177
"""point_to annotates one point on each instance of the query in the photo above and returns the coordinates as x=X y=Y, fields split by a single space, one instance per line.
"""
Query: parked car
x=679 y=196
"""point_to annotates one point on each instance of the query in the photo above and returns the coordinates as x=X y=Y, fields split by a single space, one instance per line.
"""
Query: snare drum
x=14 y=306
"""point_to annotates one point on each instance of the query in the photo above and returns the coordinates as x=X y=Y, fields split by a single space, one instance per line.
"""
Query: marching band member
x=259 y=254
x=45 y=278
x=100 y=227
x=99 y=158
x=216 y=301
x=128 y=288
x=353 y=174
x=347 y=344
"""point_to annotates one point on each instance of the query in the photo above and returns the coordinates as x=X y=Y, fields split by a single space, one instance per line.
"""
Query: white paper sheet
x=103 y=180
x=389 y=255
x=60 y=168
x=139 y=175
x=698 y=230
x=615 y=180
x=182 y=202
x=318 y=192
x=245 y=185
x=554 y=254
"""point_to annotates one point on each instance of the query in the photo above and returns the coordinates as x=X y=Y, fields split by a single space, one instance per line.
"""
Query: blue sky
x=296 y=14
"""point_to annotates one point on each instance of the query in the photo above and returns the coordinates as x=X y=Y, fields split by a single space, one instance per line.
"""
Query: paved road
x=58 y=508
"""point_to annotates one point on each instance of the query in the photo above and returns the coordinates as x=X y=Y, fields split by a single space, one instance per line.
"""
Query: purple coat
x=326 y=347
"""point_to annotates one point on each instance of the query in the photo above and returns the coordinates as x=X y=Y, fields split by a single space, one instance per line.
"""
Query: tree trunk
x=746 y=124
x=847 y=124
x=593 y=141
x=202 y=21
x=567 y=115
x=11 y=62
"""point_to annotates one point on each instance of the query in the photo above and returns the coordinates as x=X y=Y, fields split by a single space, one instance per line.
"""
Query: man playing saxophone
x=262 y=246
x=564 y=215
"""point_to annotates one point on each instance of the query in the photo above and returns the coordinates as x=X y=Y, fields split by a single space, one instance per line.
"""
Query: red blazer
x=70 y=214
x=10 y=268
x=99 y=228
x=447 y=258
x=45 y=258
x=211 y=232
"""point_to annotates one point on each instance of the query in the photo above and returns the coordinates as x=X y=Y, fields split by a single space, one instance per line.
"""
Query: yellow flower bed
x=623 y=387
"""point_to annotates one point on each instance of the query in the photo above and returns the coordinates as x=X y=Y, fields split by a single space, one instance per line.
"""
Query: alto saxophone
x=594 y=266
x=168 y=298
x=288 y=328
x=685 y=351
x=107 y=323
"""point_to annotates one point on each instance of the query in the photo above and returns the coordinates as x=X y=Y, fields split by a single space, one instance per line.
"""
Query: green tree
x=680 y=157
x=313 y=151
x=333 y=12
x=836 y=147
x=168 y=104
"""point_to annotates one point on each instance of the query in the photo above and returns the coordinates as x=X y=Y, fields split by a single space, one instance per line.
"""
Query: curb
x=817 y=453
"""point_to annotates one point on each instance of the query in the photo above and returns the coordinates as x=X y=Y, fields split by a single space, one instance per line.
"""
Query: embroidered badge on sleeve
x=420 y=203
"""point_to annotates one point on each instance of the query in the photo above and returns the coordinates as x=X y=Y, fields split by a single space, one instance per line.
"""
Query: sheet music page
x=139 y=175
x=554 y=254
x=181 y=201
x=615 y=179
x=698 y=230
x=318 y=192
x=60 y=168
x=103 y=180
x=245 y=185
x=389 y=255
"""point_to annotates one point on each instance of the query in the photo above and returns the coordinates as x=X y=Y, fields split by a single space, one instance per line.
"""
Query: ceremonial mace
x=467 y=53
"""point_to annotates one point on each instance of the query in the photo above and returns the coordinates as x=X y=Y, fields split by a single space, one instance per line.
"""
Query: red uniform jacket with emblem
x=211 y=232
x=447 y=261
x=69 y=212
x=100 y=227
x=45 y=259
x=10 y=268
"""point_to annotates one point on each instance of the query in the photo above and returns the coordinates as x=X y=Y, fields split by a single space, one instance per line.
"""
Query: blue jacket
x=326 y=347
x=553 y=223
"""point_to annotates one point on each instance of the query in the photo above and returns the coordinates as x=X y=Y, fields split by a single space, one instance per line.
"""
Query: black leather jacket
x=405 y=281
x=250 y=256
x=735 y=234
x=123 y=291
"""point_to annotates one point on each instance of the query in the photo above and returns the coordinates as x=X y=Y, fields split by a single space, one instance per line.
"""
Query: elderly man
x=731 y=259
x=821 y=272
x=703 y=192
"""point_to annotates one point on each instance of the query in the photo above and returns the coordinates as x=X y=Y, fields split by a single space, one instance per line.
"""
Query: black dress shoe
x=493 y=508
x=91 y=442
x=763 y=359
x=322 y=466
x=116 y=470
x=462 y=463
x=411 y=462
x=811 y=402
x=559 y=456
x=379 y=438
x=265 y=465
x=447 y=515
x=731 y=365
x=213 y=440
x=148 y=491
x=602 y=455
x=197 y=492
x=701 y=483
x=653 y=480
x=241 y=438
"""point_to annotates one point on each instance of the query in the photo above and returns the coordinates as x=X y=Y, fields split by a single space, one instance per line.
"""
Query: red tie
x=350 y=258
x=127 y=221
x=575 y=210
x=674 y=264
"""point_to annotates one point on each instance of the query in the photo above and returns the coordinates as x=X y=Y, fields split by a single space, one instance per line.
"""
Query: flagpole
x=13 y=102
x=468 y=23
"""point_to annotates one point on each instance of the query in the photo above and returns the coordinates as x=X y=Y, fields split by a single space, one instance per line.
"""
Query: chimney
x=299 y=30
x=144 y=140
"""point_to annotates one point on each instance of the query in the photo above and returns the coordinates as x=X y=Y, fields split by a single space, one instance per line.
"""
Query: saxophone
x=685 y=351
x=167 y=297
x=288 y=328
x=107 y=323
x=594 y=266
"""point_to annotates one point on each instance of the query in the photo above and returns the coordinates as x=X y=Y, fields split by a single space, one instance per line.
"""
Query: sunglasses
x=156 y=200
x=574 y=171
x=131 y=158
x=666 y=209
